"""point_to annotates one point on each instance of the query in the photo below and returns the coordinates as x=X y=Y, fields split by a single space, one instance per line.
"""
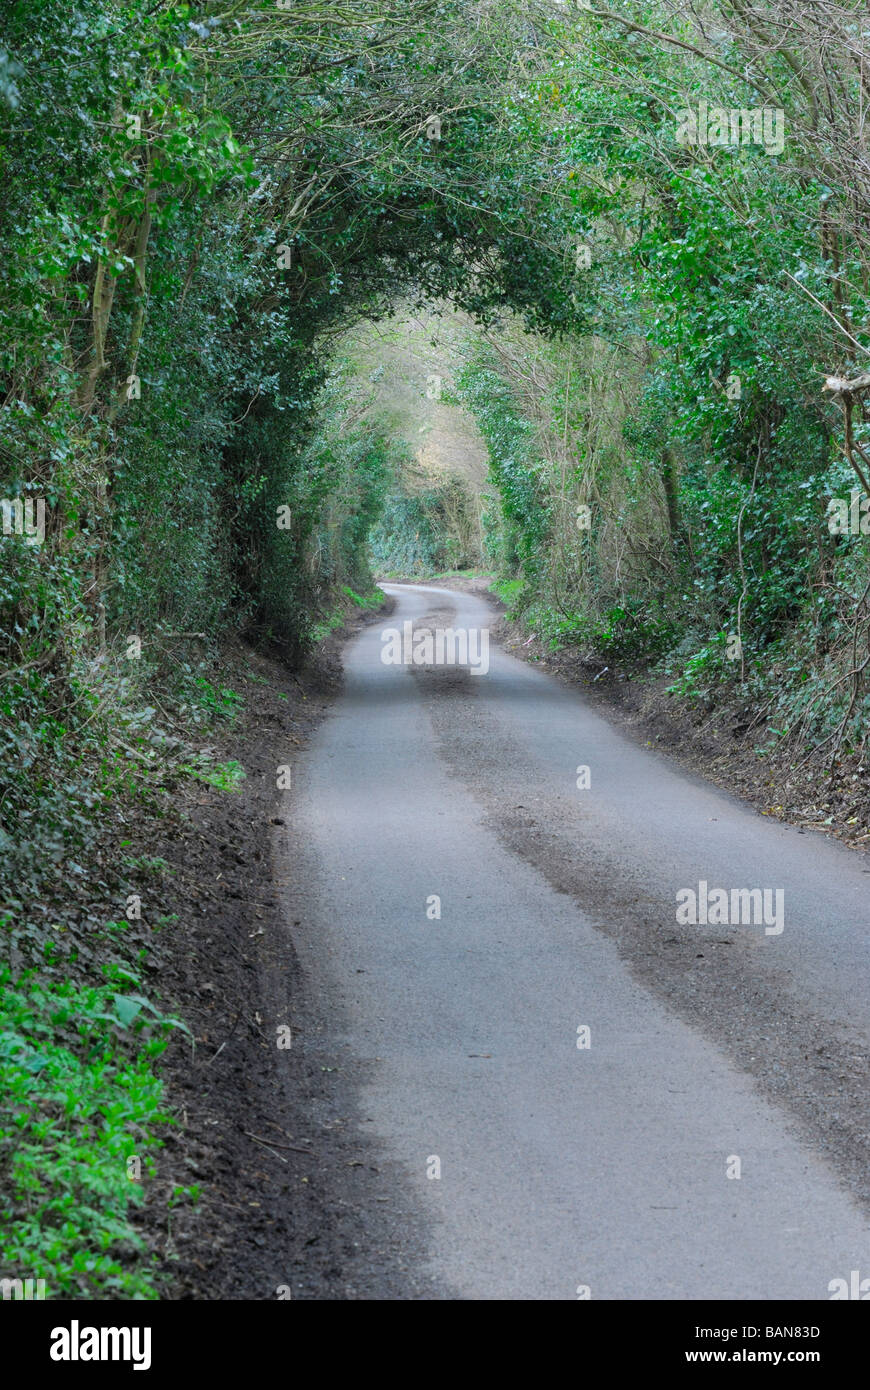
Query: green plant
x=703 y=670
x=228 y=776
x=79 y=1099
x=218 y=702
x=147 y=864
x=372 y=600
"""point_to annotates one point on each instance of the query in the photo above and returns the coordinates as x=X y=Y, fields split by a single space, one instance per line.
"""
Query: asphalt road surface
x=712 y=1049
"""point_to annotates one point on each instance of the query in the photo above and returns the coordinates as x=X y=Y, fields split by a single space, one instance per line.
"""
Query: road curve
x=563 y=1168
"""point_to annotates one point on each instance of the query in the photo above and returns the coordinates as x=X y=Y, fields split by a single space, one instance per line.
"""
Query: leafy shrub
x=80 y=1098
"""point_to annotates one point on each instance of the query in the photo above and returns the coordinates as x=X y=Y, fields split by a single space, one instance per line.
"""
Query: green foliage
x=510 y=591
x=80 y=1098
x=631 y=633
x=710 y=269
x=422 y=530
x=372 y=600
x=520 y=541
x=703 y=671
x=227 y=776
x=221 y=702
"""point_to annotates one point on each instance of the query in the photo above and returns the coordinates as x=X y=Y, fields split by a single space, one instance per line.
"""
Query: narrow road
x=563 y=1167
